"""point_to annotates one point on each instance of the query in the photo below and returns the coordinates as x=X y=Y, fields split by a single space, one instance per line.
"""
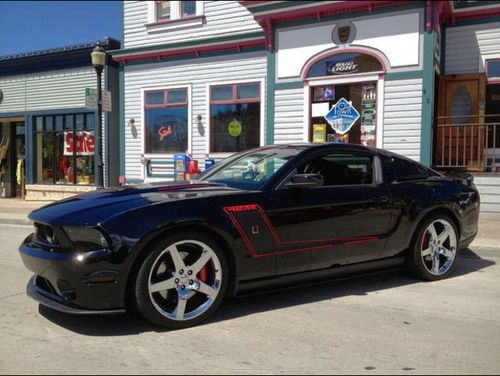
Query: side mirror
x=305 y=181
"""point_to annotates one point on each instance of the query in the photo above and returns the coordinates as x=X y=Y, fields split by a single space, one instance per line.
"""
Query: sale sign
x=81 y=142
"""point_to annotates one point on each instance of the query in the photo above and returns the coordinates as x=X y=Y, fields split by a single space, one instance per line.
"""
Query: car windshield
x=249 y=170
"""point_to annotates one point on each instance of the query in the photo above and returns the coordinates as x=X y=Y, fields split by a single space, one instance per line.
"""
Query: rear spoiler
x=463 y=177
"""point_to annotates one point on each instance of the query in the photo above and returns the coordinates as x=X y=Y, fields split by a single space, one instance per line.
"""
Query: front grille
x=45 y=234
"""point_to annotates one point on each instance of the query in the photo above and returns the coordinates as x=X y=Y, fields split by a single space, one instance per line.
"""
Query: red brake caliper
x=203 y=274
x=426 y=240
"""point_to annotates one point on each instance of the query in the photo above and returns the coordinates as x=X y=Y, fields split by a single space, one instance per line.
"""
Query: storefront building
x=210 y=78
x=47 y=131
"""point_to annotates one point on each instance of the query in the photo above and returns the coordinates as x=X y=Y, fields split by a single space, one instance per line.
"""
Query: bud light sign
x=342 y=116
x=82 y=143
x=341 y=67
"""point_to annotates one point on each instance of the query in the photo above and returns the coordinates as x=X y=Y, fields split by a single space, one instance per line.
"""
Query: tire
x=430 y=248
x=182 y=281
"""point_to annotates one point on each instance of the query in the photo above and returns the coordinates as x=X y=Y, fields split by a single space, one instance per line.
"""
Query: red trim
x=191 y=50
x=234 y=94
x=165 y=103
x=255 y=207
x=429 y=11
x=479 y=13
x=325 y=54
x=254 y=2
x=237 y=101
x=283 y=15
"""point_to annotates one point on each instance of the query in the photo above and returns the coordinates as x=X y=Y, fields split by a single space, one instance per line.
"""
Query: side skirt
x=245 y=288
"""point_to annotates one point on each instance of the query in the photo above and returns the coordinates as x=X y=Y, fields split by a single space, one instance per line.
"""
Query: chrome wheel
x=439 y=247
x=185 y=280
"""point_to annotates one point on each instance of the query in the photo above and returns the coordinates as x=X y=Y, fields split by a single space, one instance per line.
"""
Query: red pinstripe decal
x=251 y=207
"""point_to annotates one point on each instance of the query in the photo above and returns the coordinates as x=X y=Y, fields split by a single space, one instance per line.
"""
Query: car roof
x=327 y=145
x=309 y=147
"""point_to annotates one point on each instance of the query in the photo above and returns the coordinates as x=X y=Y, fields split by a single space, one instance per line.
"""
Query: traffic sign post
x=106 y=100
x=91 y=98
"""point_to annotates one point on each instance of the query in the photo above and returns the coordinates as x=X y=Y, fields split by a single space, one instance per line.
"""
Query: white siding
x=289 y=116
x=467 y=46
x=198 y=73
x=222 y=18
x=14 y=97
x=402 y=117
x=489 y=189
x=46 y=91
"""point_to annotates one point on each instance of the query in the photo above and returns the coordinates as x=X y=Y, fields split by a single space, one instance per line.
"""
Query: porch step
x=487 y=180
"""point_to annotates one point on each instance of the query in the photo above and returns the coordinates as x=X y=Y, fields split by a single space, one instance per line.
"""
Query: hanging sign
x=342 y=116
x=83 y=143
x=234 y=128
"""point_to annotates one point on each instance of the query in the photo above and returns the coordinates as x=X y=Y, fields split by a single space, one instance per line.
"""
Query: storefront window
x=361 y=96
x=166 y=121
x=64 y=149
x=234 y=117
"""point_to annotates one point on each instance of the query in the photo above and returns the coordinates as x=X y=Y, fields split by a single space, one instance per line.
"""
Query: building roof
x=105 y=42
x=52 y=58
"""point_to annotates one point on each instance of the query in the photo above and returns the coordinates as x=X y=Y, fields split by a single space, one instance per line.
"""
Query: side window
x=409 y=170
x=341 y=168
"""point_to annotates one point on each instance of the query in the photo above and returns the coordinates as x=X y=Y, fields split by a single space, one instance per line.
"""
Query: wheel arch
x=141 y=251
x=446 y=210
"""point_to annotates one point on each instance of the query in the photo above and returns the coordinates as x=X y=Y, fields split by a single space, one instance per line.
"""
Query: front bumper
x=55 y=302
x=88 y=283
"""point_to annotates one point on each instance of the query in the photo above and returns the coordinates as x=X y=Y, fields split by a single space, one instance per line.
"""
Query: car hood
x=93 y=208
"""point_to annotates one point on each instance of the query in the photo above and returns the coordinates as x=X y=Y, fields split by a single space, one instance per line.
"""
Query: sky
x=37 y=25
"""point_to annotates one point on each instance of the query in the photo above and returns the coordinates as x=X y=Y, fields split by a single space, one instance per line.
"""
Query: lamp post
x=98 y=56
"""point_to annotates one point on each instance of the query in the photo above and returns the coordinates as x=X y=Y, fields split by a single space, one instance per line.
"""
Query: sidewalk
x=15 y=212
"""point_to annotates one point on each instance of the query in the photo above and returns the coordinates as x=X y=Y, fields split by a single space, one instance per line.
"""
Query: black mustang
x=276 y=215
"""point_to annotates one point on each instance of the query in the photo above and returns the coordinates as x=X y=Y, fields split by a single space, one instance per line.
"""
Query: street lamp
x=98 y=56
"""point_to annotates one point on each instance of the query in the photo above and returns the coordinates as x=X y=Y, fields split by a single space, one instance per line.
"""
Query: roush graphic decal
x=267 y=242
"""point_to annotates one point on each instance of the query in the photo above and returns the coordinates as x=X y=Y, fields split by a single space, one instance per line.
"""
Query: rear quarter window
x=408 y=170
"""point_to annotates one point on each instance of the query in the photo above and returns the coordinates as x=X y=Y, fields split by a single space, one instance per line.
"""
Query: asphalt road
x=386 y=323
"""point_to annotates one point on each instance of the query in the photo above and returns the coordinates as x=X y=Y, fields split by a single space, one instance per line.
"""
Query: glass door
x=361 y=96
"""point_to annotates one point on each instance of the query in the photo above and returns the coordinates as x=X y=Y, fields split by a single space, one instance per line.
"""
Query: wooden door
x=459 y=134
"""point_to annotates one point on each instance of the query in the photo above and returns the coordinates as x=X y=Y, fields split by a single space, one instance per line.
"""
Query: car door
x=344 y=221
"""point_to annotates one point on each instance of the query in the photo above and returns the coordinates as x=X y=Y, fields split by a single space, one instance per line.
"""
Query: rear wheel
x=182 y=281
x=434 y=249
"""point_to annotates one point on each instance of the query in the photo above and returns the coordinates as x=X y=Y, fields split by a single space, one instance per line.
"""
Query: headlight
x=87 y=236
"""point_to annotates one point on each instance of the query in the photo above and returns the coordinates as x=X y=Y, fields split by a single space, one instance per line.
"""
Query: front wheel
x=434 y=249
x=182 y=281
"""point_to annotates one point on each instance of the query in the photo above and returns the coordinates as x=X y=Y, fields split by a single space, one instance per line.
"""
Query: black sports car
x=276 y=215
